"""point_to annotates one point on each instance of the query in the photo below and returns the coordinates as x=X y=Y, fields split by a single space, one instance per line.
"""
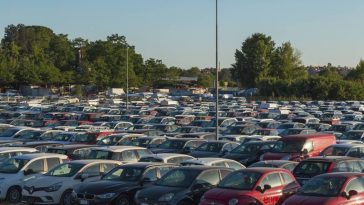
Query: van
x=299 y=147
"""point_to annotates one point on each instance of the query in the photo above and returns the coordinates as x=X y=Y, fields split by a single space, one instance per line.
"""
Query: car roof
x=146 y=164
x=116 y=148
x=8 y=149
x=90 y=161
x=330 y=158
x=40 y=155
x=207 y=160
x=263 y=170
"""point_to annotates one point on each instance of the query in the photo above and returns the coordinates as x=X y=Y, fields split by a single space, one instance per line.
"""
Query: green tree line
x=35 y=55
x=277 y=71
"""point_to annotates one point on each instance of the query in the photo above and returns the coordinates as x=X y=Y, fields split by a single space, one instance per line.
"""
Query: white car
x=166 y=158
x=8 y=152
x=217 y=162
x=56 y=186
x=16 y=170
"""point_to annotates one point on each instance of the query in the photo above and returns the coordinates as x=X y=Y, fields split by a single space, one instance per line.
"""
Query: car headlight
x=105 y=196
x=166 y=197
x=54 y=187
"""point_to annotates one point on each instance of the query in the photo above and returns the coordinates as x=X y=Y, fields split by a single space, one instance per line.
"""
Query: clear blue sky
x=181 y=32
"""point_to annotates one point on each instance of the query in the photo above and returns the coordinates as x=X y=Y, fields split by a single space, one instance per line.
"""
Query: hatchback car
x=120 y=184
x=15 y=170
x=56 y=186
x=214 y=149
x=217 y=162
x=182 y=186
x=166 y=158
x=284 y=164
x=331 y=189
x=311 y=167
x=268 y=186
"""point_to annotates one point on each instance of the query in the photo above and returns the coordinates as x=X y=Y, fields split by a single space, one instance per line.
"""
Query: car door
x=52 y=162
x=204 y=182
x=272 y=195
x=290 y=186
x=92 y=172
x=129 y=156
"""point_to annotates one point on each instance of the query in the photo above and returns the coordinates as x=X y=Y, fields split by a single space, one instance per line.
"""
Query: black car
x=250 y=152
x=213 y=149
x=120 y=184
x=178 y=145
x=182 y=186
x=73 y=151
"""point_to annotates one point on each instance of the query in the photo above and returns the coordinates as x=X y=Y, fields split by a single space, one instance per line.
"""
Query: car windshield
x=178 y=178
x=129 y=174
x=83 y=138
x=311 y=168
x=240 y=180
x=246 y=149
x=150 y=159
x=210 y=147
x=109 y=140
x=12 y=165
x=326 y=186
x=351 y=136
x=65 y=170
x=62 y=137
x=335 y=151
x=172 y=144
x=288 y=146
x=99 y=154
x=140 y=142
x=9 y=132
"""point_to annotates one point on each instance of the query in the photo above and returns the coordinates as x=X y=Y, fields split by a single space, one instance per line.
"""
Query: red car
x=268 y=186
x=331 y=189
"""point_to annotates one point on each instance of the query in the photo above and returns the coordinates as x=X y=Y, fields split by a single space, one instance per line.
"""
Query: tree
x=253 y=60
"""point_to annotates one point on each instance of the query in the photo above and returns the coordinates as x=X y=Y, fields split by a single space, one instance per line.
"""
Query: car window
x=92 y=170
x=356 y=184
x=224 y=173
x=234 y=165
x=37 y=166
x=152 y=174
x=52 y=162
x=106 y=167
x=287 y=178
x=143 y=152
x=129 y=155
x=274 y=180
x=289 y=167
x=219 y=164
x=164 y=170
x=341 y=167
x=209 y=178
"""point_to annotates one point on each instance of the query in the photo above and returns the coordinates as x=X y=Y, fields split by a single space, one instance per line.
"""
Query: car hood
x=103 y=186
x=312 y=200
x=155 y=192
x=43 y=181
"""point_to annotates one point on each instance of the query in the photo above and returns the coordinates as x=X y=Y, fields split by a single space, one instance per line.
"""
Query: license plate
x=83 y=202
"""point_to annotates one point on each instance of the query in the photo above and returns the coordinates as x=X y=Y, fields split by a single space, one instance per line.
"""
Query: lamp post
x=127 y=78
x=217 y=76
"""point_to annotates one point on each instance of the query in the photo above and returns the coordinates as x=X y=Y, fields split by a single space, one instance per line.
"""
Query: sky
x=182 y=32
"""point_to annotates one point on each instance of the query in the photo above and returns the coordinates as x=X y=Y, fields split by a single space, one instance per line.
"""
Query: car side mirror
x=267 y=187
x=349 y=195
x=259 y=188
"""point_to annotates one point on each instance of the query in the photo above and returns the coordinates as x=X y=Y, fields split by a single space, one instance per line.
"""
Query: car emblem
x=31 y=189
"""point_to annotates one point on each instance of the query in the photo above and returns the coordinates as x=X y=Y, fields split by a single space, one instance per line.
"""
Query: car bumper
x=3 y=190
x=94 y=201
x=41 y=197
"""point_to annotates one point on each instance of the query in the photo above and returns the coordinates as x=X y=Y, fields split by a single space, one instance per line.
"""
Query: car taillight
x=330 y=167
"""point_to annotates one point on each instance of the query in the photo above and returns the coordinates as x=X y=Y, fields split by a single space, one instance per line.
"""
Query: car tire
x=66 y=198
x=122 y=200
x=13 y=195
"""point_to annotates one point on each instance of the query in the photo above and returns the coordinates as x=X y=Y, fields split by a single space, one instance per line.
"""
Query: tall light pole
x=217 y=75
x=127 y=78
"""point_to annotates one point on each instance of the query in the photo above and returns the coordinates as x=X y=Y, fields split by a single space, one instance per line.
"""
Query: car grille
x=86 y=196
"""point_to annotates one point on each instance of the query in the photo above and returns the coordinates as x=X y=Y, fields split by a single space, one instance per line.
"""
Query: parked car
x=311 y=167
x=56 y=186
x=249 y=152
x=9 y=152
x=120 y=153
x=183 y=186
x=73 y=151
x=268 y=186
x=213 y=149
x=120 y=184
x=216 y=162
x=350 y=150
x=284 y=164
x=166 y=158
x=178 y=145
x=299 y=147
x=330 y=189
x=14 y=170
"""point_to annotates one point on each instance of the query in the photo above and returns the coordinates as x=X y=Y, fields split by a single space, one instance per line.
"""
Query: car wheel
x=67 y=198
x=14 y=195
x=122 y=200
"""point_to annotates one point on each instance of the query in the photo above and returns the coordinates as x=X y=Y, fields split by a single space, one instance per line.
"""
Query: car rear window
x=311 y=168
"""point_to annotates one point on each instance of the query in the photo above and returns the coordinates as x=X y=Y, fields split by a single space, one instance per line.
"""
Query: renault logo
x=31 y=190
